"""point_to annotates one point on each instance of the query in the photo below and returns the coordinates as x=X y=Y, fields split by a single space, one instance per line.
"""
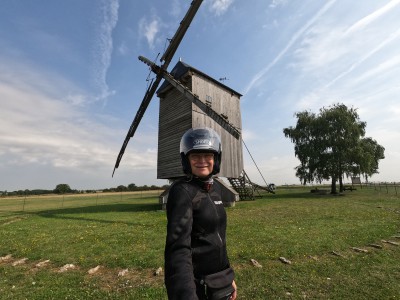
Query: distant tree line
x=64 y=188
x=133 y=187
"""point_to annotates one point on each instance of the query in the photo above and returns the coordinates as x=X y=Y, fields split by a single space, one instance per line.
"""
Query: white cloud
x=248 y=135
x=175 y=10
x=354 y=67
x=258 y=77
x=388 y=167
x=379 y=70
x=77 y=99
x=364 y=22
x=361 y=59
x=39 y=128
x=333 y=51
x=320 y=47
x=35 y=127
x=219 y=7
x=123 y=49
x=149 y=30
x=277 y=3
x=104 y=46
x=277 y=170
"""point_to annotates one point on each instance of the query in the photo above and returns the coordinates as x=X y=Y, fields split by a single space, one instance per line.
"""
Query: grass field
x=318 y=234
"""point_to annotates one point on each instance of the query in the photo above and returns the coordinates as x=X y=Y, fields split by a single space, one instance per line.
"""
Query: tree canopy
x=62 y=188
x=332 y=144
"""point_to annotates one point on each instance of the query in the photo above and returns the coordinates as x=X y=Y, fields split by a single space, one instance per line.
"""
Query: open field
x=318 y=234
x=51 y=202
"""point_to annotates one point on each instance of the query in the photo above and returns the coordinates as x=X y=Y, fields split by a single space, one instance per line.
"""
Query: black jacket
x=195 y=244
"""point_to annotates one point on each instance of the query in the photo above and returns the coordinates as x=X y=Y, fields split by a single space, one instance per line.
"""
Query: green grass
x=128 y=231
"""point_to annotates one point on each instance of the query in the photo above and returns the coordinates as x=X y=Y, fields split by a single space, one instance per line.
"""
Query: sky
x=71 y=81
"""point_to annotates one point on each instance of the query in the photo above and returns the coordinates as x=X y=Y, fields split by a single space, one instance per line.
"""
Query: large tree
x=62 y=188
x=332 y=144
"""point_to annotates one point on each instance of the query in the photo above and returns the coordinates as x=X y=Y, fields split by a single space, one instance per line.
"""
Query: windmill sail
x=143 y=106
x=167 y=57
x=176 y=40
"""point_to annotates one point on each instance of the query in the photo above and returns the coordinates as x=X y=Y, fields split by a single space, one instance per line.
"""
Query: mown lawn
x=315 y=233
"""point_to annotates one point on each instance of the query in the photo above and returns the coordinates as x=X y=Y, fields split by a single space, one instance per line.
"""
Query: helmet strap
x=205 y=183
x=187 y=169
x=208 y=183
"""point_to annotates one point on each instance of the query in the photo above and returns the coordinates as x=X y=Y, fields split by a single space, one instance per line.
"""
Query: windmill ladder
x=247 y=189
x=243 y=186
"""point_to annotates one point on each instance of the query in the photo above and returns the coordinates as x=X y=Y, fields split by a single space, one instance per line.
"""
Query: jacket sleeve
x=179 y=278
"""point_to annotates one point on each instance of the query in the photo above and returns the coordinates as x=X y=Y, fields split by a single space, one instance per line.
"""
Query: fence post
x=23 y=206
x=395 y=188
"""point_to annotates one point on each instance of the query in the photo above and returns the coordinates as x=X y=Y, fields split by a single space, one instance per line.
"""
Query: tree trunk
x=341 y=188
x=333 y=186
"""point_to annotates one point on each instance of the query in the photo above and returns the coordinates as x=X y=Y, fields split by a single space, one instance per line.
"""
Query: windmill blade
x=176 y=40
x=219 y=119
x=143 y=106
x=167 y=57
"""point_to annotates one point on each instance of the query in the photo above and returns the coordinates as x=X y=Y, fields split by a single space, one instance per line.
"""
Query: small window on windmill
x=208 y=100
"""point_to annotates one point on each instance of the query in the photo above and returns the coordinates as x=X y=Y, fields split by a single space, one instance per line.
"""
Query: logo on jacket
x=218 y=202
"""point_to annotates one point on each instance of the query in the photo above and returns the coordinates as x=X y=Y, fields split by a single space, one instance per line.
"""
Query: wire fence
x=23 y=204
x=384 y=187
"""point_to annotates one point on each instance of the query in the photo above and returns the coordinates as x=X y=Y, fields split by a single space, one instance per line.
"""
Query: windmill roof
x=182 y=68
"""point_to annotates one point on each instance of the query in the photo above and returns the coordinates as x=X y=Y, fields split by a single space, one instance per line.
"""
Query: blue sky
x=71 y=83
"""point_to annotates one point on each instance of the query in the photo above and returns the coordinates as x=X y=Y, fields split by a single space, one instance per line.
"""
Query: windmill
x=190 y=98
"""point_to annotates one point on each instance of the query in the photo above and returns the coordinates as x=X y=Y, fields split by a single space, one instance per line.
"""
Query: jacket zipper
x=216 y=212
x=221 y=249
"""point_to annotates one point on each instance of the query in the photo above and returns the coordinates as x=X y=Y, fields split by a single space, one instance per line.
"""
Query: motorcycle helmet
x=200 y=139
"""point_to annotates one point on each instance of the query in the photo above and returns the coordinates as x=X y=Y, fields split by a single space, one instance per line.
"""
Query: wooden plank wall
x=224 y=102
x=178 y=114
x=175 y=118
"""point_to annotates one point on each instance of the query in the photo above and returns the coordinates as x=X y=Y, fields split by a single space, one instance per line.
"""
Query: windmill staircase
x=247 y=189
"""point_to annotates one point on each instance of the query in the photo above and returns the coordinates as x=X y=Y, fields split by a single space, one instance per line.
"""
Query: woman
x=196 y=261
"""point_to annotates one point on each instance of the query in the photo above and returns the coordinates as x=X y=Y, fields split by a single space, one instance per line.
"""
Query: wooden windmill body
x=178 y=114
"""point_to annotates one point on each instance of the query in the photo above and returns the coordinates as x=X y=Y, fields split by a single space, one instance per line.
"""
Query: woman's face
x=202 y=164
